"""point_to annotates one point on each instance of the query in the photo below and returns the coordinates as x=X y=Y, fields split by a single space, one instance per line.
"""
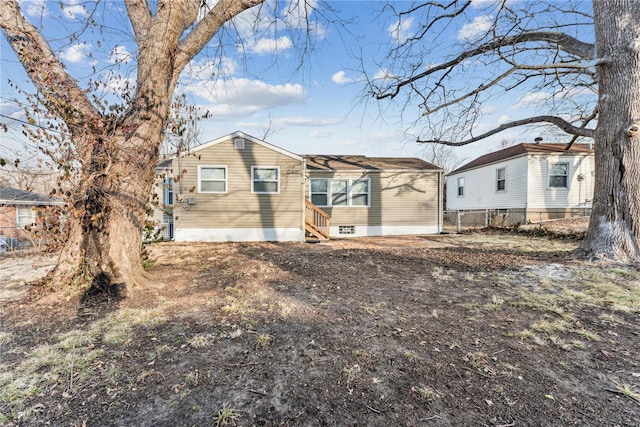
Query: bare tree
x=115 y=150
x=585 y=88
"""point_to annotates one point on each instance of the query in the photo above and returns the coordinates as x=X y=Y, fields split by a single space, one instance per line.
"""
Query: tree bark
x=117 y=155
x=614 y=228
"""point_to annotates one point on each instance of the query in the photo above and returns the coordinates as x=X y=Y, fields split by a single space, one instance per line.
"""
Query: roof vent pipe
x=538 y=140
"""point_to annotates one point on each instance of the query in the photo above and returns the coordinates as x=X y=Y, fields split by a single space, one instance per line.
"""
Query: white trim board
x=385 y=230
x=238 y=235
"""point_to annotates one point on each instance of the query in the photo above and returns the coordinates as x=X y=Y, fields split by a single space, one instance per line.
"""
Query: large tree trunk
x=614 y=229
x=106 y=222
x=105 y=240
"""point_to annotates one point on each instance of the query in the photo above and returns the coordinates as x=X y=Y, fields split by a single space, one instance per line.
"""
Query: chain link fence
x=456 y=221
x=19 y=239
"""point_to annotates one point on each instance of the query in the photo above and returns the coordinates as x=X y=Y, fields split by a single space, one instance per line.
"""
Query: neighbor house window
x=461 y=186
x=558 y=174
x=501 y=179
x=26 y=216
x=265 y=180
x=212 y=179
x=340 y=192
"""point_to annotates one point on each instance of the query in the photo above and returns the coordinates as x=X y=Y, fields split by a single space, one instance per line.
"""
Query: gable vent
x=238 y=143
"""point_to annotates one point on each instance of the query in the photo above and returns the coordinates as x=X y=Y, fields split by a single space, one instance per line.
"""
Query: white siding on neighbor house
x=578 y=194
x=480 y=187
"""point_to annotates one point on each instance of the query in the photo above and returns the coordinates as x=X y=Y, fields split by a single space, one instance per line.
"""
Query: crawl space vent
x=347 y=229
x=239 y=143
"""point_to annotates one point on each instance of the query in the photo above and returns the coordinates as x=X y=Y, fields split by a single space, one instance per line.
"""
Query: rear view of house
x=376 y=196
x=538 y=181
x=240 y=188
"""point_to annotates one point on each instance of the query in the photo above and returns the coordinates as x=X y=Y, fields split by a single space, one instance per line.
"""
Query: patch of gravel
x=17 y=271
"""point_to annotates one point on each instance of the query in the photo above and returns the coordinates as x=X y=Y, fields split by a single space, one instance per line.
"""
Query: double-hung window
x=461 y=186
x=501 y=179
x=340 y=192
x=558 y=175
x=212 y=179
x=360 y=192
x=320 y=192
x=265 y=180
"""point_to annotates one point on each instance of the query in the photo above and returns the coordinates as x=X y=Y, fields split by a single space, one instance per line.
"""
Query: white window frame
x=327 y=193
x=169 y=195
x=253 y=180
x=566 y=175
x=21 y=216
x=225 y=180
x=460 y=187
x=350 y=182
x=504 y=180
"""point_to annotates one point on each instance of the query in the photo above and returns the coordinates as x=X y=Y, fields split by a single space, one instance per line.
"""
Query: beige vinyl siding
x=238 y=207
x=403 y=198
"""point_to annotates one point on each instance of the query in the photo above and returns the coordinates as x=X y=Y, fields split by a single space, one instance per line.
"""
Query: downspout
x=303 y=206
x=440 y=200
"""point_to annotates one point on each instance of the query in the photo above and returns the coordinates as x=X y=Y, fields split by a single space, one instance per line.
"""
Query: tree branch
x=220 y=13
x=61 y=93
x=565 y=42
x=557 y=121
x=140 y=17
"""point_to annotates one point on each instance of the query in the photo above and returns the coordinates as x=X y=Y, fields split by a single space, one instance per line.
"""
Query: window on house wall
x=265 y=179
x=168 y=191
x=360 y=192
x=320 y=192
x=558 y=175
x=212 y=179
x=461 y=186
x=26 y=216
x=340 y=192
x=501 y=179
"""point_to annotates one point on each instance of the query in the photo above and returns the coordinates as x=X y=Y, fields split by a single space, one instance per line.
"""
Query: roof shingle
x=522 y=149
x=332 y=163
x=13 y=196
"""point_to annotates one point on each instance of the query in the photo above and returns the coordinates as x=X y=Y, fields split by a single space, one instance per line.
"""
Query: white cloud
x=119 y=54
x=322 y=133
x=33 y=7
x=479 y=26
x=341 y=78
x=74 y=10
x=504 y=119
x=270 y=45
x=488 y=109
x=207 y=69
x=382 y=75
x=307 y=121
x=76 y=53
x=532 y=99
x=243 y=97
x=480 y=4
x=401 y=30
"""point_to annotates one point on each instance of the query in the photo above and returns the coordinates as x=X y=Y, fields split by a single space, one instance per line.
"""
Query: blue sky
x=318 y=108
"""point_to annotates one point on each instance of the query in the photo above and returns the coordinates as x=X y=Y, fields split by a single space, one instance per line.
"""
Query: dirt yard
x=486 y=329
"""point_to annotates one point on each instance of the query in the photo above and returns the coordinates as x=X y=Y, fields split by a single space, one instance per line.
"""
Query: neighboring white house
x=542 y=181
